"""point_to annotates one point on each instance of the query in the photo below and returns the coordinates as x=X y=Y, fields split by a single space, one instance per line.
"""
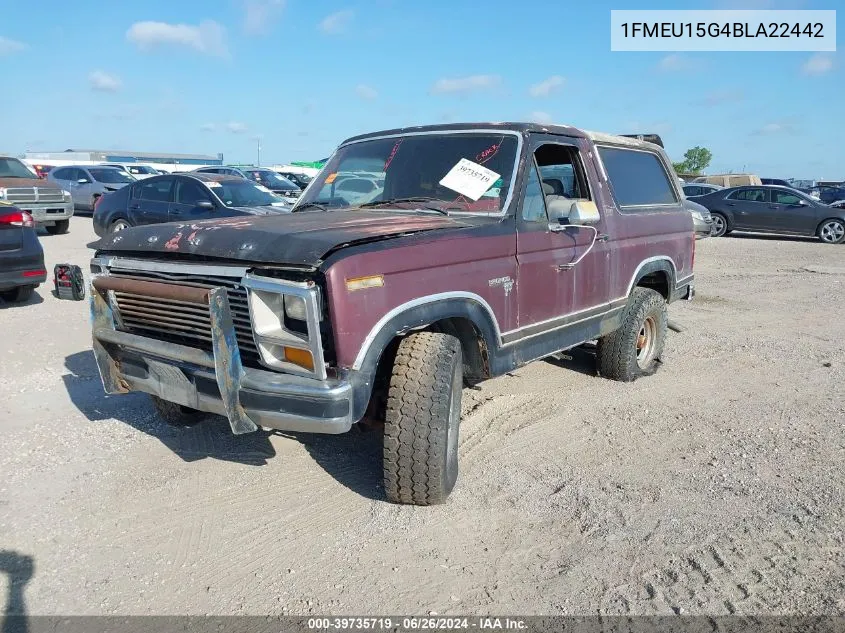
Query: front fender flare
x=412 y=316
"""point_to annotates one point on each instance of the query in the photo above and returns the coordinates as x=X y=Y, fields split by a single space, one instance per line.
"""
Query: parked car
x=42 y=170
x=21 y=257
x=265 y=177
x=300 y=180
x=827 y=194
x=139 y=172
x=772 y=209
x=87 y=183
x=49 y=205
x=304 y=322
x=776 y=181
x=699 y=189
x=185 y=197
x=701 y=219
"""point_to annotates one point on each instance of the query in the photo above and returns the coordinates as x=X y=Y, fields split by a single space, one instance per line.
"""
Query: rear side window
x=156 y=191
x=749 y=195
x=63 y=174
x=637 y=178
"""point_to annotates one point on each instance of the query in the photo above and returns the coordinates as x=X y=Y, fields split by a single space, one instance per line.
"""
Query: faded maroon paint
x=464 y=262
x=26 y=182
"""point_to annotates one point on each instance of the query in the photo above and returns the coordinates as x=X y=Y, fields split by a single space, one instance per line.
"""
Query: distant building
x=120 y=156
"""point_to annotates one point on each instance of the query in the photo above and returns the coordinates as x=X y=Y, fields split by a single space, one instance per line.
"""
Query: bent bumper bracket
x=227 y=356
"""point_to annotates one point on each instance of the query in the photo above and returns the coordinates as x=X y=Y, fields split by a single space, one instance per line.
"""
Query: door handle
x=731 y=204
x=134 y=207
x=602 y=237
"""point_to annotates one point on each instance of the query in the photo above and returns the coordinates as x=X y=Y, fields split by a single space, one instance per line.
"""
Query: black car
x=273 y=181
x=21 y=257
x=183 y=197
x=300 y=180
x=694 y=189
x=772 y=209
x=828 y=194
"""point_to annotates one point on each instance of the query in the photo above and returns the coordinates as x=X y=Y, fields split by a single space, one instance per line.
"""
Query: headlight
x=2 y=194
x=295 y=308
x=66 y=195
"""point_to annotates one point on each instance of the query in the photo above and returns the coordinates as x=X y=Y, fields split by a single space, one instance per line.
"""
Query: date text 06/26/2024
x=729 y=30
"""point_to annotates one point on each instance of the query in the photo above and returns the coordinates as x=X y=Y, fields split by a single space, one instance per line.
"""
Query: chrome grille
x=182 y=322
x=34 y=195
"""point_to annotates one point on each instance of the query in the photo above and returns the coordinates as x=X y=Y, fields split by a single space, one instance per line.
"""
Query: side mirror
x=205 y=204
x=83 y=181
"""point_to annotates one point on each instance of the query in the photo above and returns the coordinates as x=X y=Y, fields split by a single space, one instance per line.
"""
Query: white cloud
x=541 y=117
x=336 y=22
x=465 y=85
x=769 y=129
x=547 y=86
x=104 y=82
x=674 y=63
x=261 y=14
x=208 y=127
x=367 y=93
x=236 y=127
x=208 y=37
x=818 y=64
x=9 y=47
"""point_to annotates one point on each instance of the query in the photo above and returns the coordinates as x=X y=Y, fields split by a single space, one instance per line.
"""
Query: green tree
x=695 y=161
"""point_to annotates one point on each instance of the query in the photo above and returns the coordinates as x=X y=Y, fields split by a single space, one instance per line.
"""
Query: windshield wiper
x=430 y=207
x=306 y=205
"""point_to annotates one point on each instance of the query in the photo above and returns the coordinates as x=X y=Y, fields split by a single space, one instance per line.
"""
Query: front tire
x=119 y=225
x=831 y=231
x=59 y=228
x=720 y=225
x=176 y=414
x=635 y=348
x=17 y=295
x=422 y=419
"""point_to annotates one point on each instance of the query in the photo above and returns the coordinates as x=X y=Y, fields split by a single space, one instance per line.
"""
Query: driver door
x=190 y=202
x=788 y=214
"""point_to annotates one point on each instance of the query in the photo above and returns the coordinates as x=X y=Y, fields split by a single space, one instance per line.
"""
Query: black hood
x=300 y=239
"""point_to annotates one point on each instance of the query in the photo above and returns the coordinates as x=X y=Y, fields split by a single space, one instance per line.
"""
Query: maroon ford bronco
x=420 y=260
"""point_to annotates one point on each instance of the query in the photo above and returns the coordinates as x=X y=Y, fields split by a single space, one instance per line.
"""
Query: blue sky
x=211 y=76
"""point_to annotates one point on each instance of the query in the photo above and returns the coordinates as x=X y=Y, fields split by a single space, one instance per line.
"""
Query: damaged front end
x=218 y=339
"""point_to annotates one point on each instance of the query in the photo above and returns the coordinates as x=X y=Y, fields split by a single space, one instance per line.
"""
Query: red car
x=484 y=247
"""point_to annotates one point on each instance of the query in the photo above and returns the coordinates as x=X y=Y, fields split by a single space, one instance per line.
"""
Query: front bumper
x=214 y=382
x=47 y=213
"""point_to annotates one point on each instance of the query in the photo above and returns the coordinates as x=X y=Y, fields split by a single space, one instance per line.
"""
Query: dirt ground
x=714 y=487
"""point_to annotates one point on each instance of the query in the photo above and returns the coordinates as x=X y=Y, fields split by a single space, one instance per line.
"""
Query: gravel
x=713 y=487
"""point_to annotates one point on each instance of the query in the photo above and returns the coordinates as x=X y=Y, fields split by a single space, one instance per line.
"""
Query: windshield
x=464 y=171
x=242 y=193
x=270 y=179
x=141 y=169
x=13 y=168
x=111 y=176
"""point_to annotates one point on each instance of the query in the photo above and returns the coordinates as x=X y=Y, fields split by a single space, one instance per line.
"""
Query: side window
x=692 y=191
x=561 y=172
x=784 y=197
x=155 y=191
x=637 y=178
x=80 y=174
x=189 y=191
x=749 y=195
x=62 y=174
x=534 y=203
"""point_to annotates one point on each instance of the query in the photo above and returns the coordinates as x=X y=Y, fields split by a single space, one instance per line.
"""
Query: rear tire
x=176 y=414
x=720 y=225
x=59 y=228
x=422 y=419
x=831 y=231
x=635 y=348
x=17 y=295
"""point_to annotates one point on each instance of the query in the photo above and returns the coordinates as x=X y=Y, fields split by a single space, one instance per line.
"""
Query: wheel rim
x=646 y=342
x=119 y=226
x=718 y=225
x=832 y=232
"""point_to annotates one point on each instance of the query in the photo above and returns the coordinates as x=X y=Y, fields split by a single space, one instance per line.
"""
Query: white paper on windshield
x=212 y=183
x=469 y=179
x=263 y=188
